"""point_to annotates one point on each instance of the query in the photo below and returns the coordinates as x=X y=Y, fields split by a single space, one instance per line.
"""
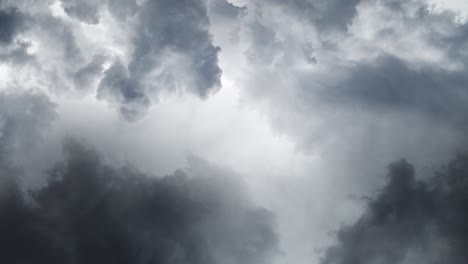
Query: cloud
x=224 y=9
x=173 y=51
x=326 y=15
x=86 y=75
x=186 y=34
x=24 y=117
x=390 y=84
x=91 y=212
x=12 y=22
x=85 y=11
x=410 y=220
x=345 y=85
x=385 y=82
x=163 y=46
x=118 y=86
x=393 y=61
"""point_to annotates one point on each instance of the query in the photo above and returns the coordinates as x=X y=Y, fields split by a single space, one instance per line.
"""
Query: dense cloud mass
x=306 y=100
x=89 y=212
x=388 y=57
x=173 y=50
x=163 y=46
x=389 y=84
x=410 y=220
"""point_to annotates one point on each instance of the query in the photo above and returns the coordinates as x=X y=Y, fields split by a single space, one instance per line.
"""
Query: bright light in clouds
x=225 y=132
x=219 y=129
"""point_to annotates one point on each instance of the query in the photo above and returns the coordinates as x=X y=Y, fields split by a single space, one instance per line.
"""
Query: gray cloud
x=12 y=22
x=122 y=9
x=265 y=43
x=17 y=53
x=389 y=84
x=186 y=33
x=225 y=9
x=91 y=212
x=23 y=119
x=353 y=84
x=85 y=11
x=173 y=51
x=169 y=48
x=92 y=71
x=316 y=20
x=320 y=81
x=48 y=48
x=410 y=220
x=26 y=119
x=327 y=15
x=119 y=87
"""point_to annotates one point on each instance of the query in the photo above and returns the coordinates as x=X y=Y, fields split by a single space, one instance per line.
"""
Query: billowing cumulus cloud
x=91 y=212
x=382 y=81
x=157 y=50
x=118 y=86
x=373 y=63
x=389 y=63
x=410 y=220
x=173 y=51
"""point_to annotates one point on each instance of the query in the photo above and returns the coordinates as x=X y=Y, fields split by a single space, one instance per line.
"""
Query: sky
x=233 y=131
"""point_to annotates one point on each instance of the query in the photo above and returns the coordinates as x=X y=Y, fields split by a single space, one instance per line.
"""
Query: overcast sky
x=279 y=115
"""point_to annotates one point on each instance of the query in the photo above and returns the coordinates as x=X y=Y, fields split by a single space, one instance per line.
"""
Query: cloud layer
x=90 y=212
x=168 y=48
x=410 y=220
x=307 y=100
x=173 y=50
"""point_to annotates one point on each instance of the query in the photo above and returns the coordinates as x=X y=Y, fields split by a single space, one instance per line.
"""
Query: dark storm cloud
x=410 y=220
x=395 y=83
x=12 y=22
x=93 y=213
x=390 y=84
x=398 y=60
x=166 y=31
